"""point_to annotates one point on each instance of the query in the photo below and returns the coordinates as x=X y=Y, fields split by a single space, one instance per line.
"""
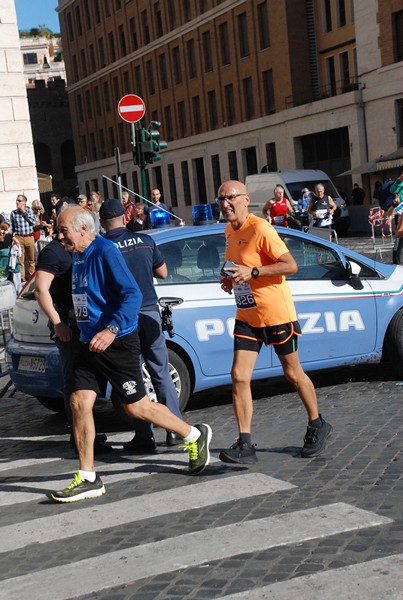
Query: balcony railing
x=335 y=88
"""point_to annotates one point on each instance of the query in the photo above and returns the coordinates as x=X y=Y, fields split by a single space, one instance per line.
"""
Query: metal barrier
x=7 y=301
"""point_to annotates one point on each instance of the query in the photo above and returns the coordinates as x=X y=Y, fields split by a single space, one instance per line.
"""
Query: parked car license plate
x=32 y=363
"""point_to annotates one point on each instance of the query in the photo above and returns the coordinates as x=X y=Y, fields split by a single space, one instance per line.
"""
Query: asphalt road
x=326 y=528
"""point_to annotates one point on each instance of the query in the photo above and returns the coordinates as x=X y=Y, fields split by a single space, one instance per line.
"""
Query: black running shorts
x=119 y=364
x=284 y=337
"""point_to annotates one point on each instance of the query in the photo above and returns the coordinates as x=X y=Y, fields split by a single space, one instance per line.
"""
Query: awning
x=390 y=161
x=368 y=167
x=44 y=182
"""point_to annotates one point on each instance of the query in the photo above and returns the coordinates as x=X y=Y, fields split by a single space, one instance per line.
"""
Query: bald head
x=233 y=199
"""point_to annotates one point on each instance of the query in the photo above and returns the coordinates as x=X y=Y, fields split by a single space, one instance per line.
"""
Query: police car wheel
x=393 y=345
x=54 y=404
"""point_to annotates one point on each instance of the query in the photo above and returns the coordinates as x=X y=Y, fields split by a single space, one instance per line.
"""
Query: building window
x=107 y=9
x=107 y=99
x=208 y=57
x=172 y=185
x=397 y=21
x=215 y=167
x=229 y=104
x=111 y=141
x=250 y=160
x=198 y=170
x=122 y=40
x=224 y=44
x=196 y=114
x=112 y=51
x=91 y=50
x=341 y=13
x=158 y=20
x=182 y=119
x=97 y=100
x=75 y=67
x=326 y=15
x=70 y=29
x=248 y=98
x=80 y=108
x=116 y=90
x=399 y=122
x=171 y=15
x=126 y=82
x=88 y=105
x=118 y=4
x=331 y=76
x=84 y=148
x=176 y=60
x=30 y=58
x=271 y=157
x=212 y=108
x=168 y=123
x=101 y=52
x=163 y=71
x=268 y=92
x=133 y=34
x=83 y=63
x=87 y=15
x=186 y=183
x=263 y=21
x=233 y=165
x=137 y=81
x=190 y=48
x=78 y=21
x=145 y=28
x=97 y=11
x=94 y=154
x=344 y=71
x=186 y=10
x=243 y=35
x=150 y=77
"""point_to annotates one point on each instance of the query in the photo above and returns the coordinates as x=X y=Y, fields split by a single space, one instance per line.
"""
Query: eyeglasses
x=230 y=198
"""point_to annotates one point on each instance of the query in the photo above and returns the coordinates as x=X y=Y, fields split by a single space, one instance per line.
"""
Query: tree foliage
x=40 y=31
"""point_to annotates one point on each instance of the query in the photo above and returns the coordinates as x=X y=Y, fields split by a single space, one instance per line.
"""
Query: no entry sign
x=131 y=108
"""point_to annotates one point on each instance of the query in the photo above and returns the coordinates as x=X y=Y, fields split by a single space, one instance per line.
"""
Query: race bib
x=321 y=214
x=243 y=296
x=278 y=220
x=80 y=307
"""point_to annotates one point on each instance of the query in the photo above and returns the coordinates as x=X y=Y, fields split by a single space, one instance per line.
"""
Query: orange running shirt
x=266 y=300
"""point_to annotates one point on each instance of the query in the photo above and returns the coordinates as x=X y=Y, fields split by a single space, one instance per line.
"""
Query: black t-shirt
x=54 y=259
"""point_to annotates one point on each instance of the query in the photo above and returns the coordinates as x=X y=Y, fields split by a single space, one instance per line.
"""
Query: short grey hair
x=83 y=218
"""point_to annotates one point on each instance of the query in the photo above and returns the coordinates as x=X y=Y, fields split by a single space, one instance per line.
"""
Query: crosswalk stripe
x=16 y=492
x=127 y=566
x=372 y=580
x=85 y=520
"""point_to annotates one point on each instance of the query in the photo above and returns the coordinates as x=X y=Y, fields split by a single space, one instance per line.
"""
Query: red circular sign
x=131 y=108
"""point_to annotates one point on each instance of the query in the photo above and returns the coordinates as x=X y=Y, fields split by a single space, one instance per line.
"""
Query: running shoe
x=241 y=453
x=199 y=454
x=315 y=439
x=79 y=489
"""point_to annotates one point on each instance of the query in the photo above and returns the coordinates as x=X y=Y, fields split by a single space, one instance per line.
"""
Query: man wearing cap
x=145 y=261
x=107 y=301
x=53 y=293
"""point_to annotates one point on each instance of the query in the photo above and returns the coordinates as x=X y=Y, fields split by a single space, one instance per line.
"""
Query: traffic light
x=137 y=148
x=152 y=144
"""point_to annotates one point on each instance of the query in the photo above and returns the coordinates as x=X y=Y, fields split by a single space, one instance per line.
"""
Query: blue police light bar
x=160 y=218
x=202 y=214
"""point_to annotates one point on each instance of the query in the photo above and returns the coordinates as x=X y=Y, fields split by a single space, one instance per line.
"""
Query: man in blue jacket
x=107 y=301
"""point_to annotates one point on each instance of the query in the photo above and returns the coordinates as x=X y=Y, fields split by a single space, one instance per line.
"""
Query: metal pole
x=118 y=172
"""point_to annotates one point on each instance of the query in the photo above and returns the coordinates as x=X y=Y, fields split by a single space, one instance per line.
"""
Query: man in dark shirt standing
x=145 y=261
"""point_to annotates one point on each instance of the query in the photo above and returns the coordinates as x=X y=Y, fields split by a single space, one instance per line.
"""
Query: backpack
x=384 y=195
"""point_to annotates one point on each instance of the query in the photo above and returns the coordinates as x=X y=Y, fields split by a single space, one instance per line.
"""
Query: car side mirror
x=354 y=270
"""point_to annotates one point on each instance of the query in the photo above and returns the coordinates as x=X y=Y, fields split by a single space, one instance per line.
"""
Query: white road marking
x=127 y=566
x=94 y=518
x=372 y=580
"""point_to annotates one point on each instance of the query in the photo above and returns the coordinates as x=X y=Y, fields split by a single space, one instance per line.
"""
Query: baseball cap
x=304 y=190
x=81 y=197
x=111 y=209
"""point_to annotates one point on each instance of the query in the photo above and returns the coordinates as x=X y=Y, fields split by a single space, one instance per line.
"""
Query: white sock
x=193 y=435
x=88 y=475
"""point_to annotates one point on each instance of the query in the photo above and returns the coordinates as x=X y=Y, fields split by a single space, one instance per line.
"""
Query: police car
x=350 y=309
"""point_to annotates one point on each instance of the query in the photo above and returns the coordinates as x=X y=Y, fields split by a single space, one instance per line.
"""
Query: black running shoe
x=141 y=445
x=79 y=489
x=315 y=439
x=241 y=453
x=199 y=454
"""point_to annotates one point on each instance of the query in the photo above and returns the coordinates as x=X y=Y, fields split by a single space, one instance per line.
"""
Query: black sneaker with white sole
x=79 y=489
x=241 y=453
x=315 y=439
x=199 y=453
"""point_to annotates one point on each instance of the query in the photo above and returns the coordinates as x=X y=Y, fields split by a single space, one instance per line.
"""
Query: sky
x=31 y=13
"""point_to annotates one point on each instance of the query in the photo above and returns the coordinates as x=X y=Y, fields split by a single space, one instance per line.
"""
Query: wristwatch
x=113 y=329
x=255 y=272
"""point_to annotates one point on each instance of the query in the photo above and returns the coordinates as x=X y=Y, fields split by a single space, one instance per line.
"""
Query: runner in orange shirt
x=265 y=314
